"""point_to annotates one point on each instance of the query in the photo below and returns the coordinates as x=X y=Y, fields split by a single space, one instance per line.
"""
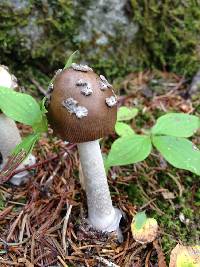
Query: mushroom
x=82 y=110
x=9 y=133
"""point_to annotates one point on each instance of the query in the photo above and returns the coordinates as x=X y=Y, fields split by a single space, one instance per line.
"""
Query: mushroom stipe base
x=101 y=213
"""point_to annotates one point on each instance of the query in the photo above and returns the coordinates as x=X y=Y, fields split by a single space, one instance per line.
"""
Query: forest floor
x=43 y=222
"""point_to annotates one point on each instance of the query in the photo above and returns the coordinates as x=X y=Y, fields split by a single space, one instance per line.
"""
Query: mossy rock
x=169 y=34
x=115 y=37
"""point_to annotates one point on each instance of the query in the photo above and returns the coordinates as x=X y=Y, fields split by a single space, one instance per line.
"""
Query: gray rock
x=30 y=33
x=104 y=19
x=47 y=32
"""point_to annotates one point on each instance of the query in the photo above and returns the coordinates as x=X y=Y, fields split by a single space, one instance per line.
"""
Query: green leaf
x=42 y=105
x=70 y=60
x=27 y=144
x=176 y=124
x=179 y=152
x=122 y=129
x=126 y=114
x=129 y=149
x=140 y=220
x=41 y=126
x=19 y=107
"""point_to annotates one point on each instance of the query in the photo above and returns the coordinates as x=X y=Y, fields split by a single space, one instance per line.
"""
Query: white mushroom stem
x=9 y=133
x=9 y=136
x=101 y=213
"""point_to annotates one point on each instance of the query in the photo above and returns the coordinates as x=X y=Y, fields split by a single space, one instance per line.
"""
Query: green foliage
x=122 y=129
x=126 y=114
x=27 y=144
x=179 y=152
x=19 y=107
x=168 y=35
x=129 y=149
x=176 y=124
x=37 y=37
x=167 y=136
x=139 y=220
x=25 y=109
x=22 y=108
x=55 y=19
x=70 y=60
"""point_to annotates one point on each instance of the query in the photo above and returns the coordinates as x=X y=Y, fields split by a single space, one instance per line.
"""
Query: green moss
x=37 y=38
x=168 y=38
x=143 y=190
x=114 y=60
x=168 y=34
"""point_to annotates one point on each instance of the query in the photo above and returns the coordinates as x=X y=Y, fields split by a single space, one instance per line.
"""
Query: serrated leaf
x=140 y=220
x=129 y=149
x=19 y=107
x=126 y=114
x=176 y=124
x=122 y=129
x=70 y=60
x=26 y=144
x=179 y=152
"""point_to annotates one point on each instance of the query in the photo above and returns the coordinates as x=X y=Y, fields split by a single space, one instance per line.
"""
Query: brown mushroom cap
x=100 y=118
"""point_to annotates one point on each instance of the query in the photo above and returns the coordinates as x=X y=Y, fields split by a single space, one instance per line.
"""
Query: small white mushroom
x=111 y=101
x=80 y=67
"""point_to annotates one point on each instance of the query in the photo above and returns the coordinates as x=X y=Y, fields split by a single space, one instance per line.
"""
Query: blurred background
x=115 y=37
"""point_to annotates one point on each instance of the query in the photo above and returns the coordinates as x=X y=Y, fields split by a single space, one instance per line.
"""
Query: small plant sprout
x=185 y=256
x=144 y=230
x=169 y=136
x=9 y=133
x=81 y=112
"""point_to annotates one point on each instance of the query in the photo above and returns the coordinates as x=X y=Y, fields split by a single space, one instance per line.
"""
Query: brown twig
x=5 y=175
x=39 y=87
x=161 y=257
